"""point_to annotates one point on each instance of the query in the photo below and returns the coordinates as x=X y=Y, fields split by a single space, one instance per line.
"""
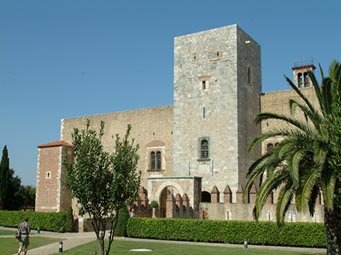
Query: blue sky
x=61 y=59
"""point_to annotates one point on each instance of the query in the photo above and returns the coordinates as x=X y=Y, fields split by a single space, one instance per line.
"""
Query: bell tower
x=301 y=76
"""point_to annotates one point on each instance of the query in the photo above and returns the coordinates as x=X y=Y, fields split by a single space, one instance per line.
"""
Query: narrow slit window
x=249 y=76
x=204 y=84
x=204 y=112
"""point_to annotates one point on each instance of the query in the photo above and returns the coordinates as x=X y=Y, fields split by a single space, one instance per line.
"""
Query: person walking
x=24 y=240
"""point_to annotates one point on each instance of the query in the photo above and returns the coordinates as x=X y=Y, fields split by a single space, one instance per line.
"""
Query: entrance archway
x=163 y=199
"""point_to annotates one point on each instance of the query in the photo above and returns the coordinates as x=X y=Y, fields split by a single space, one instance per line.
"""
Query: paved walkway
x=71 y=240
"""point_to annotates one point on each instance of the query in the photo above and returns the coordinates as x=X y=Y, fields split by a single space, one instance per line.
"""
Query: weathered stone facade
x=214 y=100
x=193 y=155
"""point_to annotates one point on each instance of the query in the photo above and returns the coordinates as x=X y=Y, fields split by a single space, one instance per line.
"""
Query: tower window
x=299 y=80
x=48 y=175
x=249 y=76
x=269 y=148
x=204 y=153
x=204 y=84
x=306 y=79
x=204 y=112
x=155 y=160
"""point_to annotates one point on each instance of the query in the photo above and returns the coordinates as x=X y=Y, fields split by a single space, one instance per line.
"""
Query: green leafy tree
x=15 y=197
x=28 y=195
x=4 y=178
x=103 y=183
x=307 y=162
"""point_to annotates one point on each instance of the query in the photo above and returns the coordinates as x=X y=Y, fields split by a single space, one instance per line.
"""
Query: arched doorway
x=163 y=199
x=205 y=197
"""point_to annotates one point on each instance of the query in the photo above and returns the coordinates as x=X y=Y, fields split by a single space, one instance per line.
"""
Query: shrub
x=260 y=233
x=154 y=204
x=57 y=222
x=121 y=227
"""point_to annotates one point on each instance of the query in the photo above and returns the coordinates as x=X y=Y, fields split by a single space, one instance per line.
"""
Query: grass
x=123 y=247
x=10 y=245
x=6 y=232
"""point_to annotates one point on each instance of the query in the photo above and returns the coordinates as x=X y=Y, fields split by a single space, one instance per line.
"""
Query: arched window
x=299 y=80
x=155 y=160
x=158 y=160
x=152 y=160
x=204 y=149
x=269 y=147
x=205 y=197
x=306 y=79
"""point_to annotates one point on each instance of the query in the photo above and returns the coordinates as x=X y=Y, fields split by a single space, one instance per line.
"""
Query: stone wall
x=249 y=89
x=278 y=102
x=51 y=192
x=215 y=100
x=151 y=128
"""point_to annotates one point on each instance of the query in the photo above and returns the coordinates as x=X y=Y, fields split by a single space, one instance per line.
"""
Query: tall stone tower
x=217 y=85
x=52 y=194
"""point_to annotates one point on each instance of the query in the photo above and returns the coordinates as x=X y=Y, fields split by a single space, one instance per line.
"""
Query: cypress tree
x=4 y=174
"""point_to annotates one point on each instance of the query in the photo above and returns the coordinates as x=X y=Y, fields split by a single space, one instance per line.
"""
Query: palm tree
x=307 y=162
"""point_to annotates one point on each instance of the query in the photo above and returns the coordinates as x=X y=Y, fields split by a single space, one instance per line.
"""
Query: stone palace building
x=194 y=154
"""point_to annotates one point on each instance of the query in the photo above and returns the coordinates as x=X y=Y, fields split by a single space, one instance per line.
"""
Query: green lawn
x=7 y=232
x=123 y=247
x=10 y=245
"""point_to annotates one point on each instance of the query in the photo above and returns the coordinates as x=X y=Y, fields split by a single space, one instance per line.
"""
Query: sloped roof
x=55 y=144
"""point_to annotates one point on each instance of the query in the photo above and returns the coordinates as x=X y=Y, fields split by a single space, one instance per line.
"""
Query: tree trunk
x=332 y=222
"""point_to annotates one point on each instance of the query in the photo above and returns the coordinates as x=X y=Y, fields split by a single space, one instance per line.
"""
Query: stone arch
x=155 y=143
x=162 y=193
x=169 y=183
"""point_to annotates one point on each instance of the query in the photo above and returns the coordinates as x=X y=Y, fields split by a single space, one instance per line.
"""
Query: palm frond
x=300 y=94
x=262 y=137
x=283 y=202
x=328 y=181
x=315 y=192
x=308 y=180
x=314 y=117
x=270 y=184
x=294 y=165
x=294 y=122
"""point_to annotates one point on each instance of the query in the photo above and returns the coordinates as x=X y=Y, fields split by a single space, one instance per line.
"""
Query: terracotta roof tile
x=55 y=144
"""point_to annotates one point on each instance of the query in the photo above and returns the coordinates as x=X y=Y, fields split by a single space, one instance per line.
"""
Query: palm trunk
x=332 y=222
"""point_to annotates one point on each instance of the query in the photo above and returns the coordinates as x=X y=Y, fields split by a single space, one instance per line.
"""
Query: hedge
x=259 y=233
x=57 y=222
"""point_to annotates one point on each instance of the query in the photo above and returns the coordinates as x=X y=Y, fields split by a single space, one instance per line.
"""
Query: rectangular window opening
x=203 y=83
